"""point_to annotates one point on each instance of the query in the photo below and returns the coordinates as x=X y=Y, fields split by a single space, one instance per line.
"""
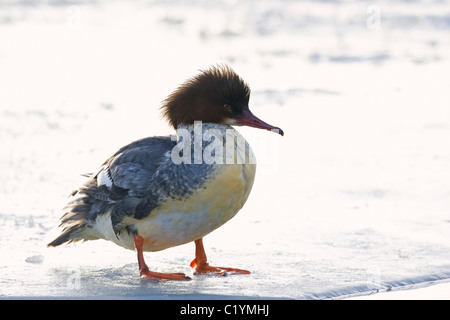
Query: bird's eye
x=227 y=107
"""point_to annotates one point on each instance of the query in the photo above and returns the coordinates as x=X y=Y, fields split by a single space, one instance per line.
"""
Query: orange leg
x=202 y=267
x=146 y=273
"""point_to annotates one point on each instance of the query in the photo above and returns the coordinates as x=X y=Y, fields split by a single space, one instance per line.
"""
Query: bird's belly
x=179 y=221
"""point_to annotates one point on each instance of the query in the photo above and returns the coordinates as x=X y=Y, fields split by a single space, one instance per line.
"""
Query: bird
x=163 y=191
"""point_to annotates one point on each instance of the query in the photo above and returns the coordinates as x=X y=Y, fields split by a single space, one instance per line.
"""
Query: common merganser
x=147 y=197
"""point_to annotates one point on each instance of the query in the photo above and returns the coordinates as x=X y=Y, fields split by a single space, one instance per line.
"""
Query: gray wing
x=124 y=185
x=136 y=180
x=133 y=166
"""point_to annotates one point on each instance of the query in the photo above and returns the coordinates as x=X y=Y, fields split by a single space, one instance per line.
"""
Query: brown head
x=215 y=95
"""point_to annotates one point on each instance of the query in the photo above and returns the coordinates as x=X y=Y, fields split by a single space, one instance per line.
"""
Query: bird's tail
x=74 y=223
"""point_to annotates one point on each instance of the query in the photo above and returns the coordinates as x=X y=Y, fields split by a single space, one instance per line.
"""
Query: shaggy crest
x=211 y=96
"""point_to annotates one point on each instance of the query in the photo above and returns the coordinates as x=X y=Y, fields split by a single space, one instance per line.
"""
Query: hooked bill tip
x=279 y=131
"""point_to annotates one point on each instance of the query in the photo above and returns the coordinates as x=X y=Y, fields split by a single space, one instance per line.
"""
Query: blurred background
x=354 y=199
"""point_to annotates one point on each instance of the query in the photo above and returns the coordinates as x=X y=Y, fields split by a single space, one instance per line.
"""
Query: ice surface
x=354 y=199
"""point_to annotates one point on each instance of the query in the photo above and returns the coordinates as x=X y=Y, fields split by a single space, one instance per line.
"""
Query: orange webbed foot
x=202 y=267
x=146 y=273
x=158 y=276
x=205 y=268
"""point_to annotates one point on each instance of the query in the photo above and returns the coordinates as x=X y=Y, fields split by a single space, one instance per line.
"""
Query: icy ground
x=354 y=199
